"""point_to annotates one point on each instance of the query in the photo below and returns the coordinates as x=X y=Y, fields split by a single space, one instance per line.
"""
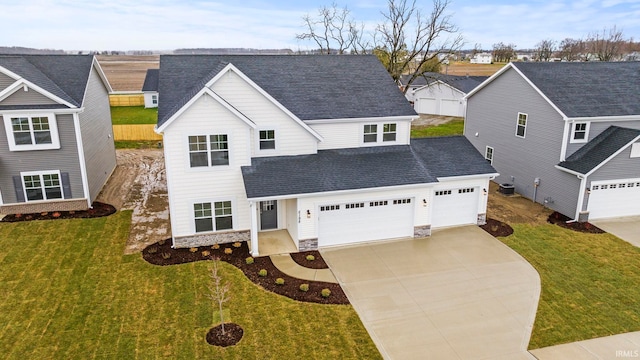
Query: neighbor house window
x=27 y=132
x=206 y=216
x=370 y=133
x=154 y=99
x=267 y=139
x=42 y=186
x=521 y=127
x=488 y=154
x=208 y=150
x=580 y=131
x=389 y=132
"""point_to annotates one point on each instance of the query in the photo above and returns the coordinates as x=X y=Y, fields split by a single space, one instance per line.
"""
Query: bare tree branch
x=218 y=292
x=333 y=30
x=545 y=49
x=606 y=46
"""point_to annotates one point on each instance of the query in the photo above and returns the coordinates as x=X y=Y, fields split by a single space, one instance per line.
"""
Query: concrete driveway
x=626 y=228
x=459 y=294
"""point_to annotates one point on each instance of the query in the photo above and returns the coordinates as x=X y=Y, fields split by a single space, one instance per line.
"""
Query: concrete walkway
x=285 y=263
x=623 y=346
x=459 y=294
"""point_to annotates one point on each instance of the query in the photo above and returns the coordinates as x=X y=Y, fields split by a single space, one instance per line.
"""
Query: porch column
x=254 y=228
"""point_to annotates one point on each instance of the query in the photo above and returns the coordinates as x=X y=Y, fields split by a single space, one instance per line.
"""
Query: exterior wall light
x=308 y=214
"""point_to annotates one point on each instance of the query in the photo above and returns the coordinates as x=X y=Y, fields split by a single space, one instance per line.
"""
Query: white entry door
x=614 y=198
x=453 y=207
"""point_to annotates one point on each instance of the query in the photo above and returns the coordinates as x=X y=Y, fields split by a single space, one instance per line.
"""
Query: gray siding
x=97 y=135
x=5 y=81
x=64 y=159
x=493 y=112
x=31 y=97
x=598 y=127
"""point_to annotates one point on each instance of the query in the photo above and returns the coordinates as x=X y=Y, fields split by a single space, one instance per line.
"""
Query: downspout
x=583 y=185
x=81 y=158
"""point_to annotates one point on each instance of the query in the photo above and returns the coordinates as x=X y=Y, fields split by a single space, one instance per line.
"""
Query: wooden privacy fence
x=126 y=99
x=135 y=132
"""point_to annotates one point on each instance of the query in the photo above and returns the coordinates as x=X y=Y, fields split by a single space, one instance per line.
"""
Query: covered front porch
x=274 y=226
x=275 y=242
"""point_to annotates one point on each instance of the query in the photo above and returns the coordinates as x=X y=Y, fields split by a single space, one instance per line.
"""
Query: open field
x=126 y=73
x=466 y=68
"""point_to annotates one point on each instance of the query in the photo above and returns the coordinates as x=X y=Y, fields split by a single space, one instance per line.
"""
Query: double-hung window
x=370 y=133
x=580 y=132
x=488 y=154
x=521 y=126
x=267 y=139
x=389 y=132
x=42 y=186
x=214 y=216
x=208 y=150
x=31 y=132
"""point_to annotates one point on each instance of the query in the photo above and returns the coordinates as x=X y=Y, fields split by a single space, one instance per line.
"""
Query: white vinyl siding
x=439 y=99
x=349 y=134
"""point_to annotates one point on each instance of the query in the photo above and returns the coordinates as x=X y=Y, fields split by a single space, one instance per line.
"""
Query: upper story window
x=580 y=133
x=488 y=154
x=370 y=133
x=208 y=150
x=42 y=186
x=521 y=127
x=389 y=132
x=267 y=139
x=31 y=132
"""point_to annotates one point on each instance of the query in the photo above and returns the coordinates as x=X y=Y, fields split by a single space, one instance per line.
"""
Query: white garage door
x=614 y=198
x=450 y=107
x=455 y=207
x=426 y=106
x=344 y=223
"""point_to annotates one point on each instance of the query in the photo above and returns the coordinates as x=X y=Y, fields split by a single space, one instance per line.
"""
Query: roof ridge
x=69 y=97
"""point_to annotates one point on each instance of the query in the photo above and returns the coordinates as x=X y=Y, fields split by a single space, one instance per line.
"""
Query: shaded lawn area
x=137 y=144
x=454 y=127
x=125 y=115
x=590 y=283
x=69 y=293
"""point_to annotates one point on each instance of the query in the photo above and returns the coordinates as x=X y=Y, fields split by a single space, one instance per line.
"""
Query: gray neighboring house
x=566 y=135
x=57 y=142
x=150 y=88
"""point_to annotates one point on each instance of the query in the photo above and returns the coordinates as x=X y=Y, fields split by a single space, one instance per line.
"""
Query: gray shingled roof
x=311 y=87
x=464 y=83
x=588 y=89
x=151 y=80
x=424 y=161
x=65 y=76
x=599 y=149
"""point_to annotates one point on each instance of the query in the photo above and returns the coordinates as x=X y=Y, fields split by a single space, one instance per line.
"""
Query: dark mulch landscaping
x=161 y=253
x=301 y=259
x=232 y=335
x=497 y=228
x=585 y=227
x=98 y=210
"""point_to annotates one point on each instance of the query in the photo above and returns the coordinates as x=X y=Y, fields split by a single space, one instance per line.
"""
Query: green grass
x=454 y=127
x=125 y=115
x=137 y=144
x=590 y=283
x=68 y=292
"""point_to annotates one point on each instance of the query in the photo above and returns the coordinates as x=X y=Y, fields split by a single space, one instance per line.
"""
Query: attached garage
x=426 y=106
x=455 y=207
x=614 y=198
x=344 y=223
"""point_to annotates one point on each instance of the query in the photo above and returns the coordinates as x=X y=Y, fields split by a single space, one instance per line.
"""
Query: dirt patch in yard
x=515 y=209
x=426 y=120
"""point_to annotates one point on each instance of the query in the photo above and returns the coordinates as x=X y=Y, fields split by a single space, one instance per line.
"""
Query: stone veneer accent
x=422 y=231
x=40 y=207
x=308 y=244
x=210 y=239
x=482 y=219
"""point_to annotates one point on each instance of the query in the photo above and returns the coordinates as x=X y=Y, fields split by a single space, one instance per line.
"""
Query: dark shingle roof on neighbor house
x=310 y=86
x=64 y=76
x=424 y=161
x=464 y=83
x=588 y=89
x=151 y=80
x=599 y=149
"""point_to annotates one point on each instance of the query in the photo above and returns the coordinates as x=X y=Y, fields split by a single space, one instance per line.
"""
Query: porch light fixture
x=484 y=191
x=308 y=214
x=424 y=202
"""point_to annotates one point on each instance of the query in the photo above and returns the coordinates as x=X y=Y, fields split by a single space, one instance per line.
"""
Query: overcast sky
x=171 y=24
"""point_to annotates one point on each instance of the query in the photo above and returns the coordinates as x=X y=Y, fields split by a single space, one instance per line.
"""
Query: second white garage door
x=344 y=223
x=455 y=207
x=426 y=106
x=615 y=198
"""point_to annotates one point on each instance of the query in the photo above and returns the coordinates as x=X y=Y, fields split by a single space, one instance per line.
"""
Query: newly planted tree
x=218 y=291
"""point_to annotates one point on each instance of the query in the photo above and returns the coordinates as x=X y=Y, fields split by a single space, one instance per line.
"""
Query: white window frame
x=635 y=150
x=488 y=157
x=394 y=132
x=573 y=139
x=42 y=184
x=209 y=150
x=53 y=130
x=380 y=133
x=526 y=120
x=213 y=216
x=259 y=141
x=364 y=133
x=154 y=99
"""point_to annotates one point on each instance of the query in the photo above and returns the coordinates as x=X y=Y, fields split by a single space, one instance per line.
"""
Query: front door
x=268 y=214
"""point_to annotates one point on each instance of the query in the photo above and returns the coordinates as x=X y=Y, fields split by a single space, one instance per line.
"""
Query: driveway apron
x=459 y=294
x=626 y=228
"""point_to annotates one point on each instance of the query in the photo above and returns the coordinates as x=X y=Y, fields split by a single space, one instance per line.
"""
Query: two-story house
x=317 y=145
x=566 y=135
x=56 y=138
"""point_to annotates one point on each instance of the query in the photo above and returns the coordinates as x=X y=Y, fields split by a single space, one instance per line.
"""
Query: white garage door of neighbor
x=450 y=107
x=614 y=198
x=455 y=207
x=345 y=223
x=426 y=106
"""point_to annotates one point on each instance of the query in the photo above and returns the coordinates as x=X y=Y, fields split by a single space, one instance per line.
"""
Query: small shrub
x=162 y=242
x=494 y=228
x=215 y=246
x=152 y=250
x=18 y=216
x=44 y=213
x=166 y=255
x=228 y=251
x=72 y=212
x=304 y=287
x=310 y=257
x=193 y=249
x=56 y=214
x=206 y=253
x=237 y=244
x=262 y=272
x=249 y=260
x=325 y=293
x=279 y=281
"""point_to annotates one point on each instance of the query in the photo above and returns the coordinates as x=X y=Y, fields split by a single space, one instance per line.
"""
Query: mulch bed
x=99 y=210
x=161 y=253
x=497 y=228
x=584 y=227
x=232 y=335
x=301 y=259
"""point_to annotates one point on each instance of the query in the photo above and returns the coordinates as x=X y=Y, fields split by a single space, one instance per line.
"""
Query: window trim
x=365 y=133
x=394 y=132
x=259 y=140
x=573 y=140
x=486 y=152
x=526 y=120
x=379 y=133
x=213 y=217
x=53 y=130
x=208 y=150
x=154 y=99
x=42 y=185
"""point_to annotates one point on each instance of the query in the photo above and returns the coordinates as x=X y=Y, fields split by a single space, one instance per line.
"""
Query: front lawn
x=454 y=127
x=125 y=115
x=69 y=293
x=590 y=283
